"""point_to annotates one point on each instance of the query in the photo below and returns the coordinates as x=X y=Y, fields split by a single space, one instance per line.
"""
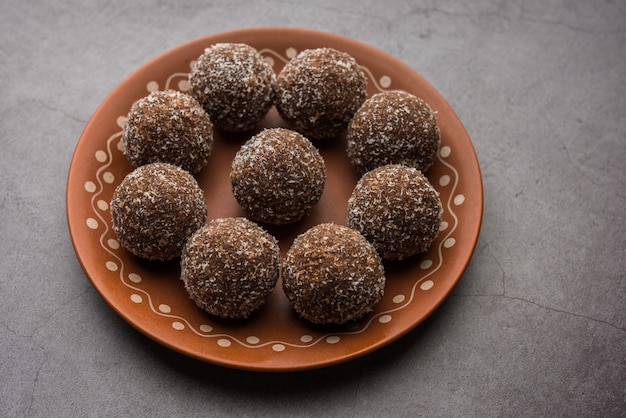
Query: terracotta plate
x=150 y=295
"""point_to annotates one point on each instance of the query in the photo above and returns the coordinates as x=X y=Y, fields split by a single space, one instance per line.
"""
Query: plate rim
x=272 y=31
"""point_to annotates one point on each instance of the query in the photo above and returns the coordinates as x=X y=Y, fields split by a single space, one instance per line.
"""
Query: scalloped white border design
x=132 y=280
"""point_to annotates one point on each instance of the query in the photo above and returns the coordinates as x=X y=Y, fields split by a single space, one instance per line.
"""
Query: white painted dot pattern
x=92 y=223
x=333 y=339
x=90 y=186
x=398 y=298
x=223 y=342
x=426 y=264
x=105 y=157
x=384 y=319
x=108 y=177
x=101 y=156
x=206 y=328
x=253 y=340
x=134 y=277
x=427 y=285
x=183 y=85
x=102 y=205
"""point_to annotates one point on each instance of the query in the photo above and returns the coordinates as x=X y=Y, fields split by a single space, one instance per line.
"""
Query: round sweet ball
x=278 y=176
x=234 y=85
x=230 y=266
x=155 y=209
x=319 y=90
x=169 y=127
x=393 y=127
x=396 y=209
x=332 y=275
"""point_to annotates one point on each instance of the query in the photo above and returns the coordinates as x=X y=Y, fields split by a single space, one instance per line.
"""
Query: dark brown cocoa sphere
x=155 y=209
x=319 y=90
x=278 y=176
x=332 y=275
x=169 y=127
x=393 y=127
x=396 y=209
x=230 y=266
x=234 y=85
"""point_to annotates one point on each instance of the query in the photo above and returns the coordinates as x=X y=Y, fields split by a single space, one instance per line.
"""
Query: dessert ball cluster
x=319 y=90
x=234 y=85
x=397 y=209
x=155 y=209
x=393 y=127
x=331 y=274
x=278 y=176
x=170 y=127
x=230 y=266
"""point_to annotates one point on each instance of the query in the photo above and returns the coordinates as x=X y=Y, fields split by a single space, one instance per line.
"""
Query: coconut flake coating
x=319 y=90
x=332 y=275
x=234 y=85
x=396 y=209
x=170 y=127
x=230 y=266
x=155 y=209
x=393 y=127
x=277 y=176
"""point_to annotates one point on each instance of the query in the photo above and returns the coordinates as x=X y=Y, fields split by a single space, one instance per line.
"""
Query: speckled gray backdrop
x=534 y=328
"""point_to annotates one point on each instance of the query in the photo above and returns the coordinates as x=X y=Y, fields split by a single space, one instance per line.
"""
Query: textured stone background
x=534 y=328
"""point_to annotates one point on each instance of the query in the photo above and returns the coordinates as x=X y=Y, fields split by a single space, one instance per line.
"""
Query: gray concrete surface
x=534 y=328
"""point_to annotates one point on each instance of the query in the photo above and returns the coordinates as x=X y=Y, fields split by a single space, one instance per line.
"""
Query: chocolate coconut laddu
x=230 y=266
x=319 y=90
x=393 y=127
x=332 y=275
x=234 y=85
x=155 y=209
x=396 y=209
x=277 y=176
x=169 y=127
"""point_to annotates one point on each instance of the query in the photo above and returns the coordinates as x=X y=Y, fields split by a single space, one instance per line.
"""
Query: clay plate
x=150 y=295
